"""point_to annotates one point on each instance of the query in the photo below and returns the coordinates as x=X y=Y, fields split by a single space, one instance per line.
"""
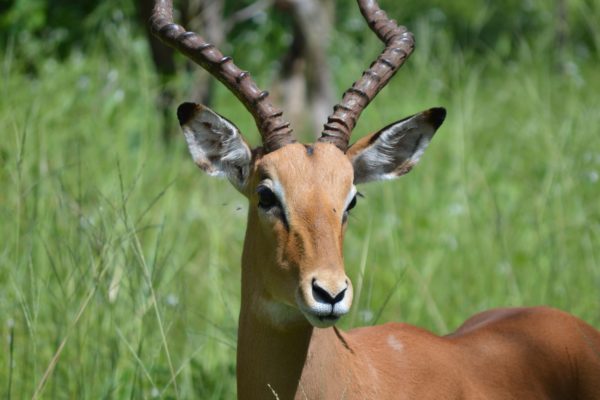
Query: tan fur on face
x=315 y=185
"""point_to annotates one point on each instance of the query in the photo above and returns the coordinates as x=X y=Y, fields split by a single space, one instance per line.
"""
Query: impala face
x=300 y=197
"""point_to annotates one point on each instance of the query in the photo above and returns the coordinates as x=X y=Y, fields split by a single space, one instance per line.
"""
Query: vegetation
x=119 y=260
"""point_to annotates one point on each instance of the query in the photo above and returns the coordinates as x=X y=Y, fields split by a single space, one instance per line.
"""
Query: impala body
x=294 y=286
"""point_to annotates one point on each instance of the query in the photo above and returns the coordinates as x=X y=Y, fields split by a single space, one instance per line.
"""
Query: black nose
x=324 y=296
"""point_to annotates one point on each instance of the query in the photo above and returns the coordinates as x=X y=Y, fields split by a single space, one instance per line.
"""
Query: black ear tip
x=185 y=112
x=436 y=116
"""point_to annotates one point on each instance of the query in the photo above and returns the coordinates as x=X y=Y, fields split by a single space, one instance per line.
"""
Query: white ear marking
x=215 y=143
x=395 y=149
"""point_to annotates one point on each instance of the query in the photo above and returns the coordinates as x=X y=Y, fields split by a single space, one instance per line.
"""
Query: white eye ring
x=351 y=198
x=275 y=207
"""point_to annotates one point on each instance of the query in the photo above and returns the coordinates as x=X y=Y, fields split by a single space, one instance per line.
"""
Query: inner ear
x=215 y=143
x=395 y=149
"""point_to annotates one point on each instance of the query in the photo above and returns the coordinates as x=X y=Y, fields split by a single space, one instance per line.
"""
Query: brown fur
x=524 y=353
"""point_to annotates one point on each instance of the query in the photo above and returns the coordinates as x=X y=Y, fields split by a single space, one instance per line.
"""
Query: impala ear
x=215 y=143
x=395 y=149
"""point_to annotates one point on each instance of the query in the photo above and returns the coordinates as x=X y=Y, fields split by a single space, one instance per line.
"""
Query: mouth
x=329 y=318
x=321 y=321
x=321 y=314
x=321 y=318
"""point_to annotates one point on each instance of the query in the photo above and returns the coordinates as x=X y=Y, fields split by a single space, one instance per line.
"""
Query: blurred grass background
x=119 y=260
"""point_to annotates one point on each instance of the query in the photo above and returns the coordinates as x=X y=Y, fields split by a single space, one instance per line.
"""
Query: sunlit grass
x=119 y=260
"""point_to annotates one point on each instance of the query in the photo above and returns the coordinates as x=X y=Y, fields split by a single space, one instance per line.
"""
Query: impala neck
x=277 y=347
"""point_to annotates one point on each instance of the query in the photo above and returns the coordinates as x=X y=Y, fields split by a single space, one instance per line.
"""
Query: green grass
x=119 y=260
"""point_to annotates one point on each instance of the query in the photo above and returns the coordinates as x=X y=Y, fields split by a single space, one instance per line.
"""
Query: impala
x=294 y=288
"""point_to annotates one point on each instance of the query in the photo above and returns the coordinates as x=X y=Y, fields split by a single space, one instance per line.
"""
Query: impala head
x=300 y=195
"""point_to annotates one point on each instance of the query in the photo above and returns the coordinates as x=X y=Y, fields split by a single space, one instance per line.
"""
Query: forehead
x=302 y=167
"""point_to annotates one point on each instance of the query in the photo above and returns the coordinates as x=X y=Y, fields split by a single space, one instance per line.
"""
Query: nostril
x=322 y=295
x=339 y=297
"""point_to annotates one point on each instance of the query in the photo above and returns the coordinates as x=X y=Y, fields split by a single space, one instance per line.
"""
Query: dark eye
x=266 y=198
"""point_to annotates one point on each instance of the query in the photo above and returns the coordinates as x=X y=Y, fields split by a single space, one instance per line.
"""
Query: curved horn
x=275 y=131
x=399 y=44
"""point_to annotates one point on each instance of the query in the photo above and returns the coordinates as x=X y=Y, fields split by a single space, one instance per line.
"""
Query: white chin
x=321 y=322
